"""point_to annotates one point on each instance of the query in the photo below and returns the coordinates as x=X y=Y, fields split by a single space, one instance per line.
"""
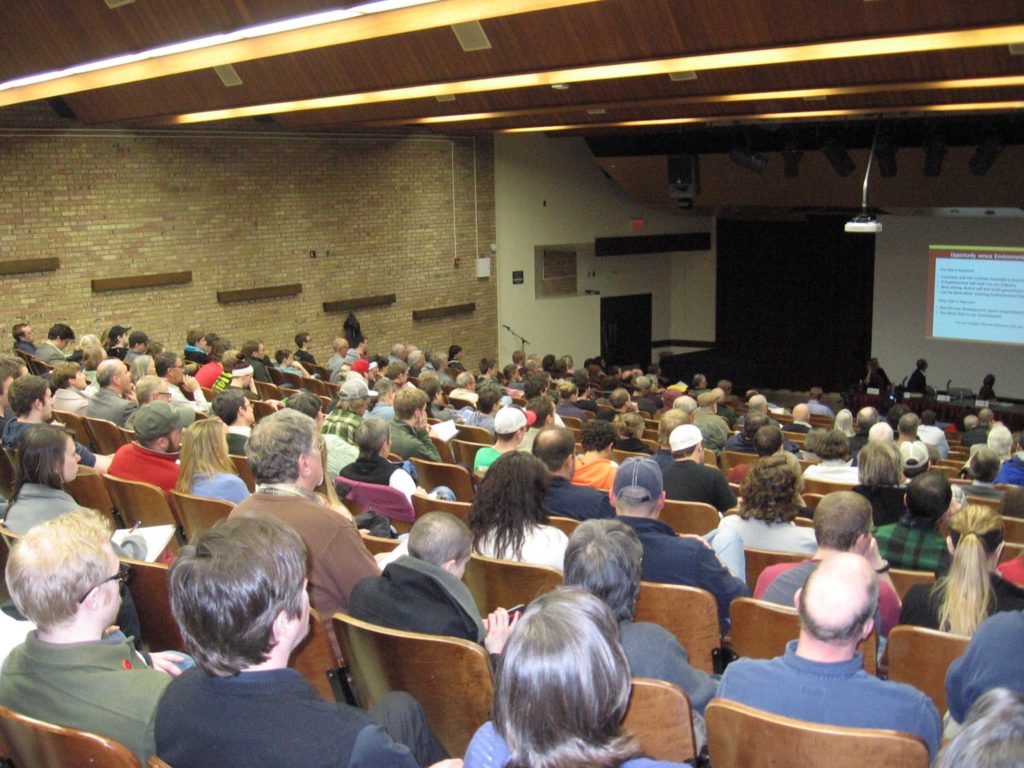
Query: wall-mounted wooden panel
x=436 y=312
x=253 y=294
x=643 y=244
x=344 y=305
x=140 y=281
x=19 y=266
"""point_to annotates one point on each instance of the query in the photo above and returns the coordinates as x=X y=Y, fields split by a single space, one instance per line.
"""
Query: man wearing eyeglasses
x=64 y=577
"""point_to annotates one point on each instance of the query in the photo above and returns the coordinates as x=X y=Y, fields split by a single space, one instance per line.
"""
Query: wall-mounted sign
x=517 y=277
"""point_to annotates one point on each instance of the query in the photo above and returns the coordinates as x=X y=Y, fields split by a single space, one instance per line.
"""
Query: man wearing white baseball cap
x=688 y=478
x=510 y=425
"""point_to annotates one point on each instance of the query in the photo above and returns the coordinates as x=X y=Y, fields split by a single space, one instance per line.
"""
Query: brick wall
x=385 y=214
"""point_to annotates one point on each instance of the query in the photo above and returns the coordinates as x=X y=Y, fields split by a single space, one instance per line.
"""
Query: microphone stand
x=522 y=342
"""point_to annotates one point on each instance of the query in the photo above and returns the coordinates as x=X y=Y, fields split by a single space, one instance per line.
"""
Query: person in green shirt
x=914 y=542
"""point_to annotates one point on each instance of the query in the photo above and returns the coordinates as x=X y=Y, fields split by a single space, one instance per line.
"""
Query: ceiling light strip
x=374 y=20
x=1000 y=106
x=901 y=44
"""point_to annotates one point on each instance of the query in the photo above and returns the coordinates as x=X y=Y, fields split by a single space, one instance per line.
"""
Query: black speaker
x=683 y=177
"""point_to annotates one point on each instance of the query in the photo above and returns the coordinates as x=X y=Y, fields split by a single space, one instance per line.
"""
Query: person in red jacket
x=153 y=456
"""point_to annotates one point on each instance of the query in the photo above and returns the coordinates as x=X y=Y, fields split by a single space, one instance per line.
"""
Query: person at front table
x=875 y=377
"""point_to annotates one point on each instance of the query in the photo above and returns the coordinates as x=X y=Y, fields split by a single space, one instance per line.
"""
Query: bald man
x=801 y=419
x=821 y=677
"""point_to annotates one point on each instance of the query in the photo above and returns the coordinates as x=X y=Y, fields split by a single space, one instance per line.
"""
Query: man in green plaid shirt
x=353 y=400
x=914 y=543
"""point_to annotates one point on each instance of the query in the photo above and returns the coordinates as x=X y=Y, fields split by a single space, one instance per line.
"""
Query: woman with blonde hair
x=206 y=467
x=844 y=422
x=142 y=365
x=972 y=590
x=630 y=427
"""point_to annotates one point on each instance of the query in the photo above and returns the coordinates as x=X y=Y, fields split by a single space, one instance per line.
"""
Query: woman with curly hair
x=771 y=501
x=561 y=691
x=508 y=518
x=972 y=590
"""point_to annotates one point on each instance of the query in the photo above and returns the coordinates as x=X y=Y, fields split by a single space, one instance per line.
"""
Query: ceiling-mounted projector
x=863 y=225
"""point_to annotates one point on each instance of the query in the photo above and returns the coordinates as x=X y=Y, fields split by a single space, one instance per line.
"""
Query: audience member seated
x=373 y=437
x=605 y=557
x=10 y=370
x=667 y=423
x=169 y=366
x=46 y=459
x=914 y=542
x=595 y=467
x=286 y=363
x=52 y=351
x=288 y=467
x=713 y=427
x=834 y=467
x=24 y=338
x=620 y=402
x=138 y=344
x=978 y=434
x=769 y=441
x=638 y=497
x=71 y=390
x=510 y=425
x=465 y=387
x=984 y=466
x=931 y=435
x=880 y=474
x=141 y=366
x=339 y=452
x=815 y=406
x=302 y=342
x=992 y=735
x=573 y=632
x=233 y=408
x=568 y=394
x=844 y=423
x=867 y=417
x=1012 y=470
x=438 y=408
x=540 y=413
x=115 y=400
x=801 y=423
x=688 y=478
x=556 y=448
x=508 y=518
x=771 y=501
x=71 y=671
x=972 y=589
x=117 y=342
x=255 y=353
x=842 y=523
x=384 y=406
x=208 y=374
x=353 y=401
x=422 y=591
x=206 y=468
x=488 y=397
x=629 y=428
x=992 y=660
x=91 y=355
x=153 y=456
x=30 y=400
x=743 y=441
x=410 y=436
x=239 y=596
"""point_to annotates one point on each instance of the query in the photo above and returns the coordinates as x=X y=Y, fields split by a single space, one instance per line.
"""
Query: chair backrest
x=660 y=718
x=244 y=471
x=268 y=391
x=729 y=459
x=422 y=504
x=89 y=489
x=811 y=500
x=1010 y=551
x=8 y=475
x=825 y=487
x=315 y=659
x=689 y=613
x=921 y=657
x=572 y=423
x=431 y=474
x=277 y=376
x=139 y=502
x=620 y=456
x=759 y=559
x=76 y=424
x=150 y=586
x=744 y=737
x=1013 y=529
x=690 y=517
x=444 y=449
x=760 y=630
x=261 y=409
x=35 y=744
x=504 y=583
x=449 y=677
x=565 y=524
x=377 y=545
x=382 y=499
x=198 y=513
x=106 y=435
x=465 y=452
x=903 y=580
x=472 y=434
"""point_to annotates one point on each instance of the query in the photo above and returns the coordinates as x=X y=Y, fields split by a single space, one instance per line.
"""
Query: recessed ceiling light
x=560 y=86
x=112 y=4
x=1017 y=49
x=228 y=75
x=815 y=98
x=471 y=36
x=678 y=77
x=445 y=97
x=596 y=111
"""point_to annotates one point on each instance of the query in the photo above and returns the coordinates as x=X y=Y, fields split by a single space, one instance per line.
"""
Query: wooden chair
x=825 y=487
x=421 y=505
x=1013 y=529
x=8 y=475
x=106 y=435
x=690 y=517
x=921 y=657
x=449 y=677
x=903 y=580
x=139 y=502
x=759 y=559
x=760 y=630
x=444 y=449
x=565 y=524
x=380 y=499
x=465 y=452
x=277 y=376
x=431 y=474
x=262 y=409
x=475 y=435
x=32 y=743
x=660 y=718
x=149 y=583
x=76 y=424
x=504 y=583
x=1010 y=551
x=811 y=500
x=89 y=489
x=377 y=545
x=198 y=513
x=315 y=659
x=268 y=391
x=572 y=423
x=689 y=613
x=744 y=737
x=729 y=459
x=244 y=471
x=620 y=456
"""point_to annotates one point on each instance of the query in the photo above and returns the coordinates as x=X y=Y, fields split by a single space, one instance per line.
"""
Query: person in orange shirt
x=595 y=467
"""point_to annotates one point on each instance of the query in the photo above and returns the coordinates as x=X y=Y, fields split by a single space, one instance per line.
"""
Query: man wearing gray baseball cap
x=153 y=456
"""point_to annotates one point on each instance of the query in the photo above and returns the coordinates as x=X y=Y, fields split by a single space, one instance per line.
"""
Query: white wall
x=900 y=304
x=551 y=192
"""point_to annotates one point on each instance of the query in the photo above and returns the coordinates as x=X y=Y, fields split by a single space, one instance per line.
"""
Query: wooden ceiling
x=44 y=35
